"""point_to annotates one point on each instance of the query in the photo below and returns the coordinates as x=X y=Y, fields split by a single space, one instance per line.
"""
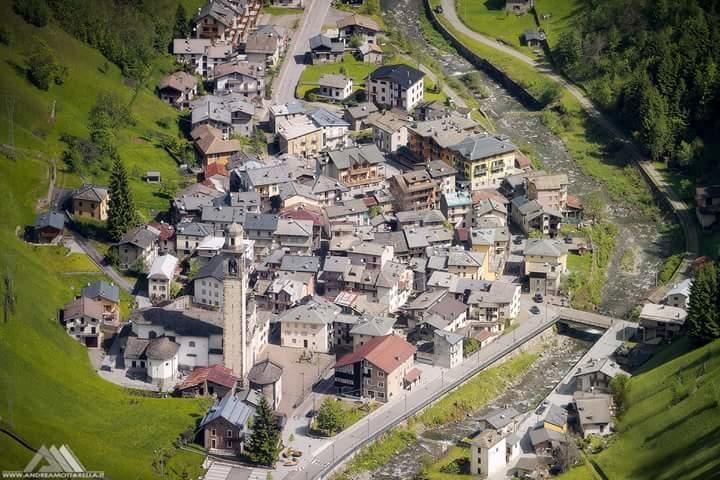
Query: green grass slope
x=49 y=393
x=35 y=130
x=672 y=427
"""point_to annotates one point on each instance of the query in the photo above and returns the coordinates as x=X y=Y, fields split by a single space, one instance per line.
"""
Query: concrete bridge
x=588 y=319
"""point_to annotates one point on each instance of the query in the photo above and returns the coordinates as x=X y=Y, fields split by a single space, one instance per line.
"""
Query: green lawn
x=562 y=14
x=490 y=18
x=35 y=130
x=49 y=393
x=60 y=260
x=671 y=429
x=280 y=11
x=450 y=462
x=358 y=71
x=579 y=264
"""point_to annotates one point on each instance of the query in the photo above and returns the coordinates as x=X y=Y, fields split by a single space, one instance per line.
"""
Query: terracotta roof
x=386 y=353
x=480 y=195
x=412 y=375
x=216 y=374
x=215 y=169
x=522 y=161
x=483 y=335
x=574 y=202
x=166 y=230
x=210 y=144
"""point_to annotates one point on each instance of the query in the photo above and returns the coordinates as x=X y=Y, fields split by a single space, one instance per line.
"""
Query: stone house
x=91 y=201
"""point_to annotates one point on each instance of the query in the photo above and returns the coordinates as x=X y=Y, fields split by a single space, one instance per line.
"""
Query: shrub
x=6 y=36
x=42 y=67
x=34 y=12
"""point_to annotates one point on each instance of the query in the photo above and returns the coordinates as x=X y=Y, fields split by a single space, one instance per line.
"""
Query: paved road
x=310 y=25
x=96 y=257
x=682 y=210
x=562 y=394
x=391 y=414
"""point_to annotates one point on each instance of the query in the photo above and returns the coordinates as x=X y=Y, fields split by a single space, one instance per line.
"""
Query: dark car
x=534 y=310
x=517 y=241
x=538 y=297
x=311 y=414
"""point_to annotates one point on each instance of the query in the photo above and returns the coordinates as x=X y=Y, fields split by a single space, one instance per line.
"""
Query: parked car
x=538 y=298
x=517 y=240
x=311 y=414
x=534 y=310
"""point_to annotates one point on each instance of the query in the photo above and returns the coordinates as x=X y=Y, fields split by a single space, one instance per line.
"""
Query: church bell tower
x=235 y=286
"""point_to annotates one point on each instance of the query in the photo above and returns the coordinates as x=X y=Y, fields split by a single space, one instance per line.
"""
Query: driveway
x=310 y=25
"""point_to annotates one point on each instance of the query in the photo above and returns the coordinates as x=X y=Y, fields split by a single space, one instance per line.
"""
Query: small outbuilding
x=49 y=227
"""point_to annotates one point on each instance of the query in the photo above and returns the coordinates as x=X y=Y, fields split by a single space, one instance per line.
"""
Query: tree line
x=654 y=63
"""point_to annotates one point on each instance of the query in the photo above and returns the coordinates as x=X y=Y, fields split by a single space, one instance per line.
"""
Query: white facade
x=160 y=371
x=488 y=459
x=208 y=291
x=194 y=351
x=310 y=336
x=383 y=92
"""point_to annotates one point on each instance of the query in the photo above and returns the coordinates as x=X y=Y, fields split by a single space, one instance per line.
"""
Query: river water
x=624 y=288
x=556 y=360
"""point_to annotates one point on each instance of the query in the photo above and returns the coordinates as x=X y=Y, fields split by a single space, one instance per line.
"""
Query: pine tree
x=265 y=438
x=121 y=214
x=182 y=26
x=704 y=311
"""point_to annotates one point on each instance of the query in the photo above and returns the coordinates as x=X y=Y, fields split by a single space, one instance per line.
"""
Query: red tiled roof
x=166 y=230
x=215 y=169
x=412 y=375
x=386 y=353
x=303 y=214
x=216 y=374
x=369 y=201
x=574 y=202
x=483 y=335
x=479 y=195
x=521 y=161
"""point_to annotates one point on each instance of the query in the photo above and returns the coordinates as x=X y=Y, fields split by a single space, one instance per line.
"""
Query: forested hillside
x=654 y=63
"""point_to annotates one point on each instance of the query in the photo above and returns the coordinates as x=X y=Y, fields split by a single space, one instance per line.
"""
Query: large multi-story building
x=396 y=86
x=414 y=190
x=361 y=168
x=433 y=139
x=484 y=160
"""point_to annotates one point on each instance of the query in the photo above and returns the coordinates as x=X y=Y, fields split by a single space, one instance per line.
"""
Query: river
x=624 y=288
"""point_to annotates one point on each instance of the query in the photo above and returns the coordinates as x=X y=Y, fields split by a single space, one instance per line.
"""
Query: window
x=191 y=344
x=212 y=443
x=381 y=384
x=381 y=395
x=212 y=432
x=381 y=374
x=228 y=434
x=228 y=443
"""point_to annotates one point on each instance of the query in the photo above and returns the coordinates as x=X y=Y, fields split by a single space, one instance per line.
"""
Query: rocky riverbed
x=625 y=287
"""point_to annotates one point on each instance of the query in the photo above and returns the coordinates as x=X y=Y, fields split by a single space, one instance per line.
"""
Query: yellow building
x=299 y=137
x=485 y=160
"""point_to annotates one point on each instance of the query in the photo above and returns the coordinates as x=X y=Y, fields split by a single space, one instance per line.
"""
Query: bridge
x=321 y=463
x=588 y=319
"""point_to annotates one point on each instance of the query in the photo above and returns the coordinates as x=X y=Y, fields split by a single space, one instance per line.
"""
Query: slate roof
x=212 y=214
x=140 y=237
x=605 y=366
x=91 y=193
x=323 y=118
x=336 y=264
x=102 y=290
x=265 y=373
x=361 y=111
x=233 y=408
x=271 y=175
x=213 y=269
x=593 y=409
x=347 y=157
x=544 y=247
x=682 y=288
x=663 y=313
x=195 y=229
x=556 y=415
x=500 y=417
x=294 y=107
x=182 y=322
x=194 y=46
x=161 y=348
x=317 y=311
x=449 y=337
x=448 y=308
x=425 y=300
x=478 y=147
x=261 y=221
x=322 y=42
x=300 y=263
x=374 y=326
x=401 y=74
x=50 y=219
